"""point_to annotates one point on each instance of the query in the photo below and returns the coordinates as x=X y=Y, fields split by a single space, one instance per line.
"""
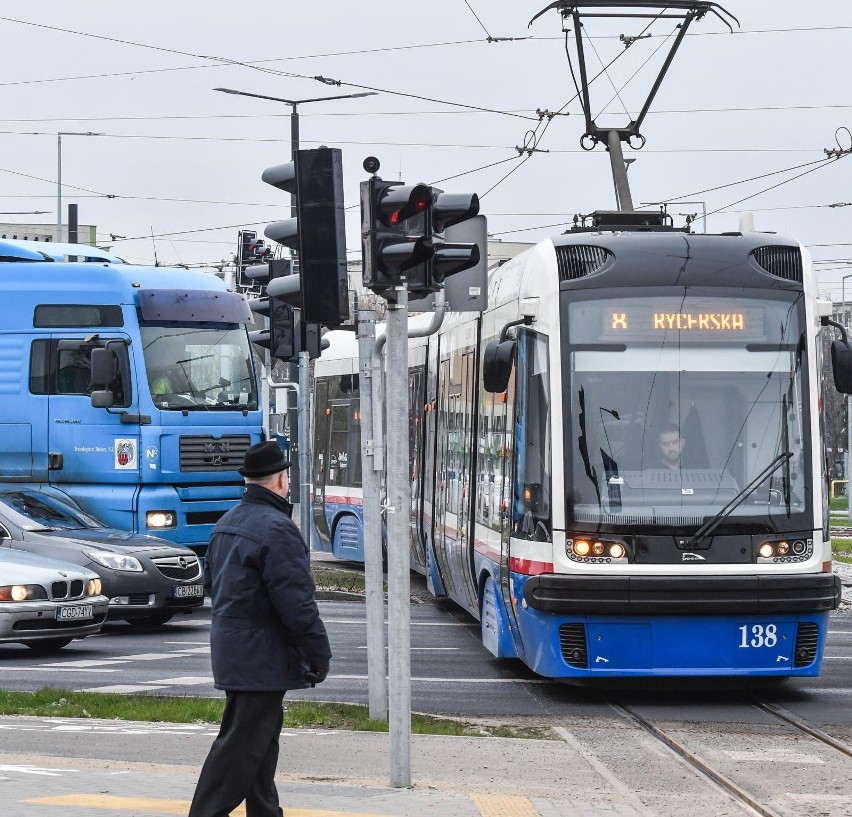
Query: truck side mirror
x=841 y=366
x=104 y=366
x=102 y=399
x=497 y=365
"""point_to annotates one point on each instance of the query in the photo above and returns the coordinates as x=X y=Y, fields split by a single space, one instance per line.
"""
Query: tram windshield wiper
x=711 y=524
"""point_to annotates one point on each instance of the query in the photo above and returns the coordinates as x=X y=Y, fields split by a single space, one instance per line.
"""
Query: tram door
x=454 y=468
x=416 y=398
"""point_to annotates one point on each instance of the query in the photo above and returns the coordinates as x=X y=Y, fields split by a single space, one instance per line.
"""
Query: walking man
x=266 y=637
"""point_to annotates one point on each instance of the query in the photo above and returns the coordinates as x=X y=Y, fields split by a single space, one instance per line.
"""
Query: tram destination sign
x=721 y=321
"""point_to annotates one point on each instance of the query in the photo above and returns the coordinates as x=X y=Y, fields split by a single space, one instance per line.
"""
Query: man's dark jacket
x=266 y=628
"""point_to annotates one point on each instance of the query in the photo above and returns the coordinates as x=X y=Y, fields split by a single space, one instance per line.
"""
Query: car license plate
x=74 y=612
x=184 y=591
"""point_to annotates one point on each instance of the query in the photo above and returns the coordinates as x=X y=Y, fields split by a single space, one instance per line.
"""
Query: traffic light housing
x=402 y=229
x=447 y=258
x=317 y=233
x=278 y=306
x=394 y=232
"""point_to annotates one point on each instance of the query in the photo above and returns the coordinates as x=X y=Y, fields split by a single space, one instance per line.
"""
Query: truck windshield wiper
x=711 y=524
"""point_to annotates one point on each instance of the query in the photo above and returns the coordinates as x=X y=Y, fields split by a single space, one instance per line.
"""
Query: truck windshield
x=680 y=402
x=199 y=368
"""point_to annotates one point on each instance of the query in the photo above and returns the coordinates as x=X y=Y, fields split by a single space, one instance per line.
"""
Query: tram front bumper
x=683 y=595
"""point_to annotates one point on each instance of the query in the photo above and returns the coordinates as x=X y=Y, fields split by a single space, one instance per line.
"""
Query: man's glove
x=317 y=673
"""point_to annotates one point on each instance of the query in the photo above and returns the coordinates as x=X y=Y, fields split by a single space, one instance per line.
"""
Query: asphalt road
x=452 y=674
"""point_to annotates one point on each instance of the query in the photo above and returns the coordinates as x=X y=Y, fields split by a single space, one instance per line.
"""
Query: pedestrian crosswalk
x=486 y=805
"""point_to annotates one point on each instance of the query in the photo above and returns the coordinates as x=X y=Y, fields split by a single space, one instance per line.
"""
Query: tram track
x=749 y=800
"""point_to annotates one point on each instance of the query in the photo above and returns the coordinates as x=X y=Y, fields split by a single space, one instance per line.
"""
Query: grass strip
x=62 y=703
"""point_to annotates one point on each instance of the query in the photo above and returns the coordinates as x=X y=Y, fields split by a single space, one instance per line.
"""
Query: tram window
x=531 y=512
x=344 y=456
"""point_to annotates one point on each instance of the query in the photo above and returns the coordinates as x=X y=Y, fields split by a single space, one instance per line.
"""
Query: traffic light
x=317 y=233
x=394 y=232
x=447 y=258
x=278 y=305
x=246 y=244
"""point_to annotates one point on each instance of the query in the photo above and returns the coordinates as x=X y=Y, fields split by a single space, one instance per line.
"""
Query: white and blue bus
x=617 y=468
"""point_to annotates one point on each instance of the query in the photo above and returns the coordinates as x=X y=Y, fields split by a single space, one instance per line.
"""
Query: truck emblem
x=125 y=454
x=693 y=557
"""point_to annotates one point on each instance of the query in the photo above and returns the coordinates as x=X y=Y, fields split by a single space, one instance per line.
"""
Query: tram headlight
x=590 y=550
x=784 y=550
x=766 y=550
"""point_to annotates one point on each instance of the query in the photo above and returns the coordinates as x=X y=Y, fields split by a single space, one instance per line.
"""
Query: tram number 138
x=758 y=635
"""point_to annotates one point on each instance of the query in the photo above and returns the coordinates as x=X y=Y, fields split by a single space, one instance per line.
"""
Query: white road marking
x=122 y=689
x=32 y=770
x=187 y=680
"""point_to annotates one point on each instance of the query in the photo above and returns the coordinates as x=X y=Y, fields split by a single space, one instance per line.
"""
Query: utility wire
x=255 y=67
x=822 y=164
x=487 y=34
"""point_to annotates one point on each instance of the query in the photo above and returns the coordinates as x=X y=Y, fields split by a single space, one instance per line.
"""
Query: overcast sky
x=182 y=163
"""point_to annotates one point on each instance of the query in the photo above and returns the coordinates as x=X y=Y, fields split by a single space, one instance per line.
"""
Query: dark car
x=147 y=580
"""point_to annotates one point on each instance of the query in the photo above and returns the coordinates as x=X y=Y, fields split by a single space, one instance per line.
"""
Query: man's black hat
x=264 y=459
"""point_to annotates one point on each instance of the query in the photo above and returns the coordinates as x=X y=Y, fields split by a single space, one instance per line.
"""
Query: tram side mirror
x=841 y=366
x=497 y=365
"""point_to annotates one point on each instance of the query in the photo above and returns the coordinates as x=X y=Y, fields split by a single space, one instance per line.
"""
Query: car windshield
x=48 y=513
x=199 y=368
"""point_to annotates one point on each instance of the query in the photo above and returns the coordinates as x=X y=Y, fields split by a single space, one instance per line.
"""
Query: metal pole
x=58 y=187
x=304 y=445
x=371 y=483
x=296 y=416
x=399 y=562
x=624 y=200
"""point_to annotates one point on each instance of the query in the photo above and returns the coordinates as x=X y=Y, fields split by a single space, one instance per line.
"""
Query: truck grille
x=206 y=453
x=179 y=568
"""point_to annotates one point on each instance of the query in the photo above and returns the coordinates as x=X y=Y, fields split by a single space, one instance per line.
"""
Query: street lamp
x=297 y=427
x=294 y=118
x=59 y=136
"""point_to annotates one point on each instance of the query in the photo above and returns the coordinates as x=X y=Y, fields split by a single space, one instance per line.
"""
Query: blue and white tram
x=544 y=501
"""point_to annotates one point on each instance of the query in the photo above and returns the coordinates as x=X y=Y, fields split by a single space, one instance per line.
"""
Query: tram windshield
x=679 y=403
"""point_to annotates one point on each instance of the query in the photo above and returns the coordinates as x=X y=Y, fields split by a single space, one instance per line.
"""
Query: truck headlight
x=160 y=520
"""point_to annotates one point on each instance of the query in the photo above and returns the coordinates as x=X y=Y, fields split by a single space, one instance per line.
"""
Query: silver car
x=46 y=603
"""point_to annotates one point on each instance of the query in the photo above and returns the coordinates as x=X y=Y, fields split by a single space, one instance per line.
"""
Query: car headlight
x=160 y=520
x=93 y=587
x=116 y=561
x=22 y=592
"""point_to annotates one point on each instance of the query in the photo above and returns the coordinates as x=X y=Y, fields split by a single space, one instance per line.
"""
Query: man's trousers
x=243 y=758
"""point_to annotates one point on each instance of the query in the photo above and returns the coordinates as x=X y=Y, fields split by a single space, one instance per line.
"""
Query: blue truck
x=131 y=390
